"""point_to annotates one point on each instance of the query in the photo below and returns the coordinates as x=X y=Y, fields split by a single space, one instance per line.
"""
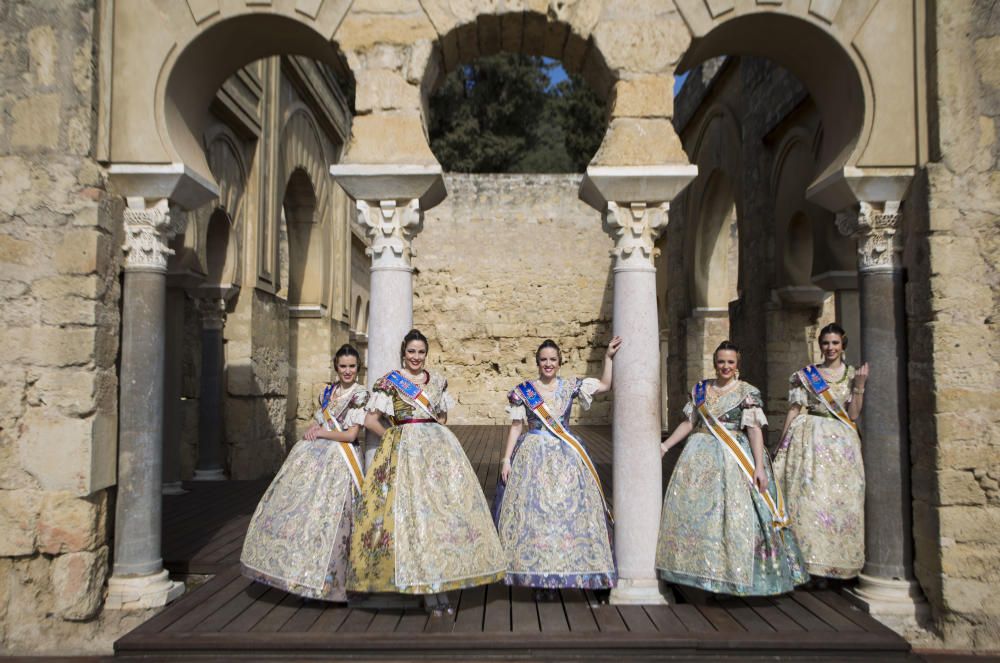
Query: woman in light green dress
x=723 y=528
x=819 y=465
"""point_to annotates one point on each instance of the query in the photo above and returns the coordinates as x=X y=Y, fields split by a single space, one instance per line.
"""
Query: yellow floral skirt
x=422 y=524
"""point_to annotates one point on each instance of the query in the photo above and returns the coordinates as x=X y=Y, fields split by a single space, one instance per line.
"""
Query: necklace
x=828 y=374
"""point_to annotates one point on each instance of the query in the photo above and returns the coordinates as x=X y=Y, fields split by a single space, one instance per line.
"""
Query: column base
x=890 y=600
x=142 y=592
x=209 y=475
x=173 y=488
x=641 y=591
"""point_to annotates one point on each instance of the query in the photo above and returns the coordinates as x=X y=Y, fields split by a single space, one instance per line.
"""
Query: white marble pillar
x=390 y=227
x=633 y=202
x=636 y=413
x=138 y=579
x=886 y=585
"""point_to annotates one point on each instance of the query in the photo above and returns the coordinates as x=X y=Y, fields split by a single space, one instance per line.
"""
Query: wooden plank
x=692 y=619
x=357 y=621
x=720 y=618
x=232 y=609
x=412 y=621
x=306 y=616
x=836 y=620
x=636 y=619
x=665 y=620
x=180 y=608
x=497 y=615
x=281 y=613
x=802 y=617
x=852 y=612
x=385 y=621
x=249 y=617
x=552 y=617
x=745 y=615
x=607 y=616
x=778 y=620
x=471 y=606
x=578 y=613
x=330 y=620
x=523 y=611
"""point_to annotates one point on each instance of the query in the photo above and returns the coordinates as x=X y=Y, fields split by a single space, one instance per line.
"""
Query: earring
x=737 y=374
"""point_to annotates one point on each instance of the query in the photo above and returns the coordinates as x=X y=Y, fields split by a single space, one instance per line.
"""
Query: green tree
x=501 y=114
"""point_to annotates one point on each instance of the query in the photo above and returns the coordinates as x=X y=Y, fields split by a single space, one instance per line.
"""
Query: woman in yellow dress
x=423 y=525
x=819 y=463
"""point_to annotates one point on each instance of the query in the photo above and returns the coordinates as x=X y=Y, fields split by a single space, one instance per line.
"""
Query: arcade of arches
x=201 y=200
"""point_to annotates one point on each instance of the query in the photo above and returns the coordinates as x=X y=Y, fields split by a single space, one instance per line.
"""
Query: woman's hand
x=760 y=477
x=861 y=376
x=505 y=469
x=663 y=449
x=613 y=346
x=313 y=432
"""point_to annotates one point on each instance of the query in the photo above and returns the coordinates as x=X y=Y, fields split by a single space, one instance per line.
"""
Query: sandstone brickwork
x=504 y=263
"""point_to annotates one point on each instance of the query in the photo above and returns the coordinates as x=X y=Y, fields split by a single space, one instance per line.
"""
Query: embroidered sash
x=554 y=425
x=347 y=450
x=811 y=377
x=412 y=392
x=743 y=460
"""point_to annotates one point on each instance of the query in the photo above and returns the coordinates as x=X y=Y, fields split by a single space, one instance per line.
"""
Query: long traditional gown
x=717 y=532
x=551 y=515
x=299 y=535
x=821 y=472
x=423 y=525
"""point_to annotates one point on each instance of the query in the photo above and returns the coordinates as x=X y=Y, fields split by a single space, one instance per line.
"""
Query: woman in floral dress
x=423 y=525
x=550 y=506
x=723 y=526
x=299 y=535
x=819 y=464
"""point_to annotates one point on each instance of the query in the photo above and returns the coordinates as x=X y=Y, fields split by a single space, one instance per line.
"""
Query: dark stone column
x=211 y=459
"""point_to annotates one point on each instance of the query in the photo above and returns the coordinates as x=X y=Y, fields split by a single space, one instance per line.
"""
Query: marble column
x=886 y=584
x=138 y=578
x=172 y=413
x=391 y=227
x=211 y=457
x=636 y=411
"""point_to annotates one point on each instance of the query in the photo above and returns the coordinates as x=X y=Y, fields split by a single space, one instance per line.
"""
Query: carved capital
x=391 y=228
x=635 y=227
x=213 y=312
x=148 y=231
x=876 y=229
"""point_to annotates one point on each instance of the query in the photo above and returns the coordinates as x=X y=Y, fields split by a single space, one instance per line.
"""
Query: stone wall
x=59 y=317
x=503 y=263
x=953 y=306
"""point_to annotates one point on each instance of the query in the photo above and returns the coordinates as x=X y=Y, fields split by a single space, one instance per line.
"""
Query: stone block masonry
x=503 y=263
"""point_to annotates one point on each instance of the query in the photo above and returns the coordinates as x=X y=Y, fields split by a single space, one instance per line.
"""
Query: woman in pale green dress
x=819 y=464
x=723 y=529
x=299 y=535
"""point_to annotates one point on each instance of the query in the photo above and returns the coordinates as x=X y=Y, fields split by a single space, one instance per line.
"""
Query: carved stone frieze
x=148 y=231
x=876 y=228
x=391 y=228
x=635 y=227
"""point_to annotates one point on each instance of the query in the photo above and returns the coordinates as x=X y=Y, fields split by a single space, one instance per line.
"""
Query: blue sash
x=411 y=391
x=821 y=388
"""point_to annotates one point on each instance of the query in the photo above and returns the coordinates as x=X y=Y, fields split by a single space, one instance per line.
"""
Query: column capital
x=875 y=226
x=391 y=226
x=634 y=227
x=148 y=231
x=212 y=311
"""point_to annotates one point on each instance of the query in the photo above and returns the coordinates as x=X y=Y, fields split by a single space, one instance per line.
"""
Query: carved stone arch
x=227 y=161
x=303 y=148
x=795 y=218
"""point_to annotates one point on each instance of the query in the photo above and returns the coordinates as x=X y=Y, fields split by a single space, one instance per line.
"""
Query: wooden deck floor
x=232 y=616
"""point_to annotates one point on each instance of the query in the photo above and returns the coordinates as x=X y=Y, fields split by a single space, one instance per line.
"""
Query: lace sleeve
x=515 y=408
x=380 y=399
x=356 y=410
x=446 y=402
x=753 y=410
x=585 y=390
x=689 y=413
x=797 y=394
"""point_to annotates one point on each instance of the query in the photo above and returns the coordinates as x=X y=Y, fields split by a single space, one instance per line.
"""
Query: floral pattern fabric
x=716 y=531
x=550 y=514
x=422 y=524
x=822 y=474
x=299 y=535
